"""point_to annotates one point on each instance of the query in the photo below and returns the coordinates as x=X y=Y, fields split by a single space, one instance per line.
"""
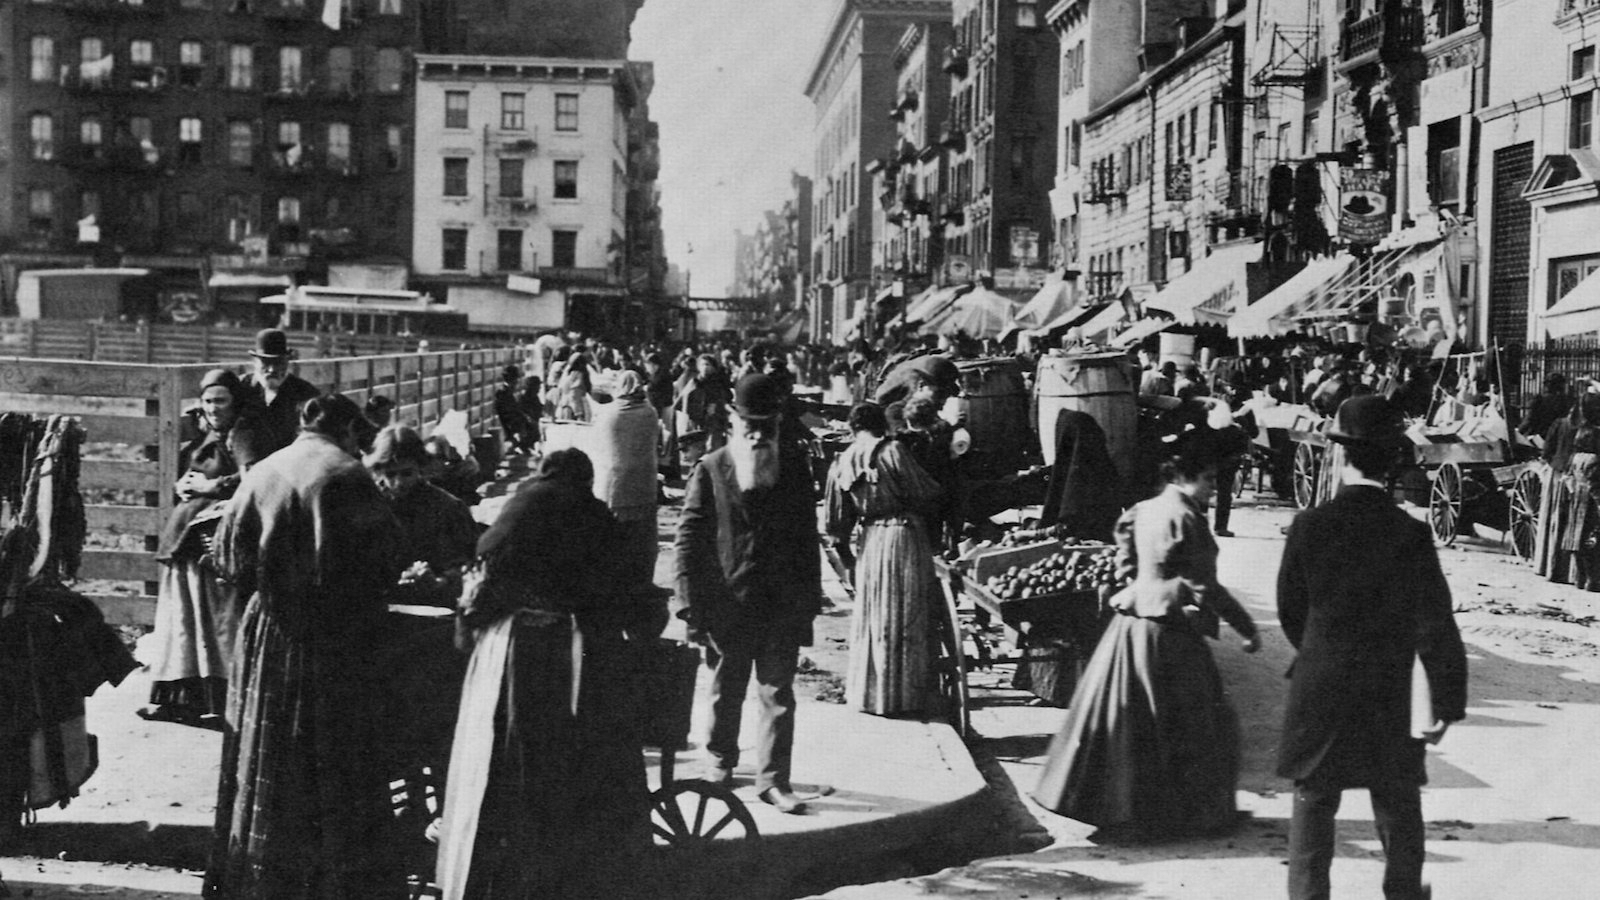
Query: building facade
x=851 y=86
x=522 y=186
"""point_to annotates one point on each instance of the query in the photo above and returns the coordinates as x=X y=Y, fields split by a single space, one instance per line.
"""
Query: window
x=1027 y=13
x=393 y=147
x=1211 y=132
x=566 y=182
x=455 y=176
x=455 y=109
x=41 y=210
x=240 y=212
x=511 y=177
x=290 y=150
x=389 y=72
x=189 y=140
x=1580 y=120
x=511 y=111
x=1565 y=274
x=91 y=138
x=142 y=53
x=339 y=146
x=341 y=69
x=241 y=67
x=388 y=7
x=191 y=213
x=566 y=112
x=288 y=210
x=42 y=136
x=1582 y=62
x=508 y=250
x=42 y=59
x=89 y=204
x=91 y=49
x=241 y=144
x=289 y=70
x=191 y=63
x=564 y=249
x=453 y=243
x=1444 y=163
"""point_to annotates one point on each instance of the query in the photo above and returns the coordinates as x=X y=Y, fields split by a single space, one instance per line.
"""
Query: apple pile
x=1061 y=572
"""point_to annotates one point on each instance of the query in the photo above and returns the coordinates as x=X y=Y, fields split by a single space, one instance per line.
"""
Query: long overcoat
x=1360 y=596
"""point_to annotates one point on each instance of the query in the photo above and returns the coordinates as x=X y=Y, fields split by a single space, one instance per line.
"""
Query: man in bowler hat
x=1363 y=600
x=279 y=393
x=749 y=578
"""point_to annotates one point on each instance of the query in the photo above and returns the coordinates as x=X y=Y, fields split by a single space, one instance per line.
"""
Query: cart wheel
x=687 y=813
x=951 y=667
x=1444 y=504
x=1306 y=465
x=1523 y=527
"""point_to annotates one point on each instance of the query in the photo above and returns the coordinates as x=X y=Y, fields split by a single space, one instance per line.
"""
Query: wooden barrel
x=995 y=396
x=1104 y=385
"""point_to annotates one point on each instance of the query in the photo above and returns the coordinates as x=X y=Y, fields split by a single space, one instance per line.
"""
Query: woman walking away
x=1150 y=748
x=196 y=612
x=877 y=483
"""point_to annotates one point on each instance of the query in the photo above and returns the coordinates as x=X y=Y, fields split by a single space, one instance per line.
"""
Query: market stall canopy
x=1211 y=291
x=1262 y=317
x=980 y=313
x=1048 y=304
x=1576 y=313
x=932 y=302
x=1077 y=315
x=1339 y=294
x=1104 y=320
x=1141 y=330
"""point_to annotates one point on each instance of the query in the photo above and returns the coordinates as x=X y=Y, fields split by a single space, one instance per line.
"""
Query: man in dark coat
x=1361 y=597
x=749 y=576
x=278 y=394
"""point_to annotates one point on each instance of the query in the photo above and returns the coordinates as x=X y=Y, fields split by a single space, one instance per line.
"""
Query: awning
x=248 y=280
x=1141 y=330
x=930 y=303
x=1104 y=320
x=1047 y=304
x=980 y=313
x=1211 y=291
x=1260 y=318
x=1339 y=293
x=1078 y=315
x=1576 y=313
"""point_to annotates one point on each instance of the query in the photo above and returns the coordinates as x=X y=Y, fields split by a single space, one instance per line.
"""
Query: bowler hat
x=938 y=369
x=272 y=343
x=758 y=396
x=1367 y=419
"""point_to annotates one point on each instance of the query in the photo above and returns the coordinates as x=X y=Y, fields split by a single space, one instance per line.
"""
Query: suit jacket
x=1360 y=595
x=275 y=425
x=749 y=559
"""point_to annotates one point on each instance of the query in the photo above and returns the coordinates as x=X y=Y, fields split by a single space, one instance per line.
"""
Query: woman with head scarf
x=1150 y=748
x=195 y=611
x=877 y=484
x=572 y=402
x=546 y=795
x=625 y=438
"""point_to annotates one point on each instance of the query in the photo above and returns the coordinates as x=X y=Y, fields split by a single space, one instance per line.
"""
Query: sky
x=735 y=121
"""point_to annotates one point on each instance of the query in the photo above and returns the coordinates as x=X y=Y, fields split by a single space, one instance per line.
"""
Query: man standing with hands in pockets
x=1363 y=600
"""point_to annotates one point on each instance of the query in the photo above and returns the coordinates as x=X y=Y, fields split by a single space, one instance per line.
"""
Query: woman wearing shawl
x=196 y=612
x=546 y=795
x=1150 y=748
x=875 y=482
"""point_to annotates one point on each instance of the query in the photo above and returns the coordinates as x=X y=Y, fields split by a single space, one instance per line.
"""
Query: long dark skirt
x=302 y=809
x=195 y=619
x=1150 y=746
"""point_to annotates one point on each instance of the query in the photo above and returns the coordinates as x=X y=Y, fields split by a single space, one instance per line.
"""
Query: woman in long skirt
x=877 y=483
x=1150 y=748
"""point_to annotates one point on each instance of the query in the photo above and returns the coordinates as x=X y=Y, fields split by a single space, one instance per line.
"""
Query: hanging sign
x=1363 y=206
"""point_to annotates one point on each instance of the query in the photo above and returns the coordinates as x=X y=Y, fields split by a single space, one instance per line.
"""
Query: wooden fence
x=140 y=405
x=170 y=344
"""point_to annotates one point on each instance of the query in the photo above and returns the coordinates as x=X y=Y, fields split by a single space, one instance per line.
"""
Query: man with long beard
x=749 y=578
x=279 y=393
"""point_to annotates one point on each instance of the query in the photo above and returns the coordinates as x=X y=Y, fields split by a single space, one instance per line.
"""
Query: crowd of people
x=302 y=517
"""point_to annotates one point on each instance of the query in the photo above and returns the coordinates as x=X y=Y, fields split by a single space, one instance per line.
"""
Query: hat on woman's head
x=397 y=445
x=222 y=378
x=570 y=466
x=628 y=384
x=272 y=343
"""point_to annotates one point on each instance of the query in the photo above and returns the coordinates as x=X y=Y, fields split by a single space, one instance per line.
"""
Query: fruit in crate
x=1063 y=571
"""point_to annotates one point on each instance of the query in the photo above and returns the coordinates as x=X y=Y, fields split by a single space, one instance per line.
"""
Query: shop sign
x=1019 y=279
x=1363 y=205
x=958 y=269
x=1024 y=244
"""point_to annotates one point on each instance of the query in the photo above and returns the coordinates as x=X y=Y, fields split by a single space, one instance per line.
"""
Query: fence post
x=168 y=406
x=33 y=338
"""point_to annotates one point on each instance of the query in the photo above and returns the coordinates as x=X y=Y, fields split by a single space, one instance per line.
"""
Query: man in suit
x=749 y=578
x=1361 y=597
x=279 y=393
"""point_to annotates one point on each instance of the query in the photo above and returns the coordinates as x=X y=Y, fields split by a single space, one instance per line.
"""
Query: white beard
x=755 y=463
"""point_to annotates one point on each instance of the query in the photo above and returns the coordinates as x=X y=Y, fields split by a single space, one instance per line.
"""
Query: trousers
x=1397 y=813
x=774 y=655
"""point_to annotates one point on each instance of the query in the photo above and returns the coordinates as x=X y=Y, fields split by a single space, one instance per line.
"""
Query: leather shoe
x=784 y=799
x=718 y=775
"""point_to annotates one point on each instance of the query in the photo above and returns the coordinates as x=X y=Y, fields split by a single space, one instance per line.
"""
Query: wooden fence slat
x=41 y=376
x=125 y=609
x=69 y=405
x=119 y=565
x=139 y=520
x=121 y=430
x=118 y=475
